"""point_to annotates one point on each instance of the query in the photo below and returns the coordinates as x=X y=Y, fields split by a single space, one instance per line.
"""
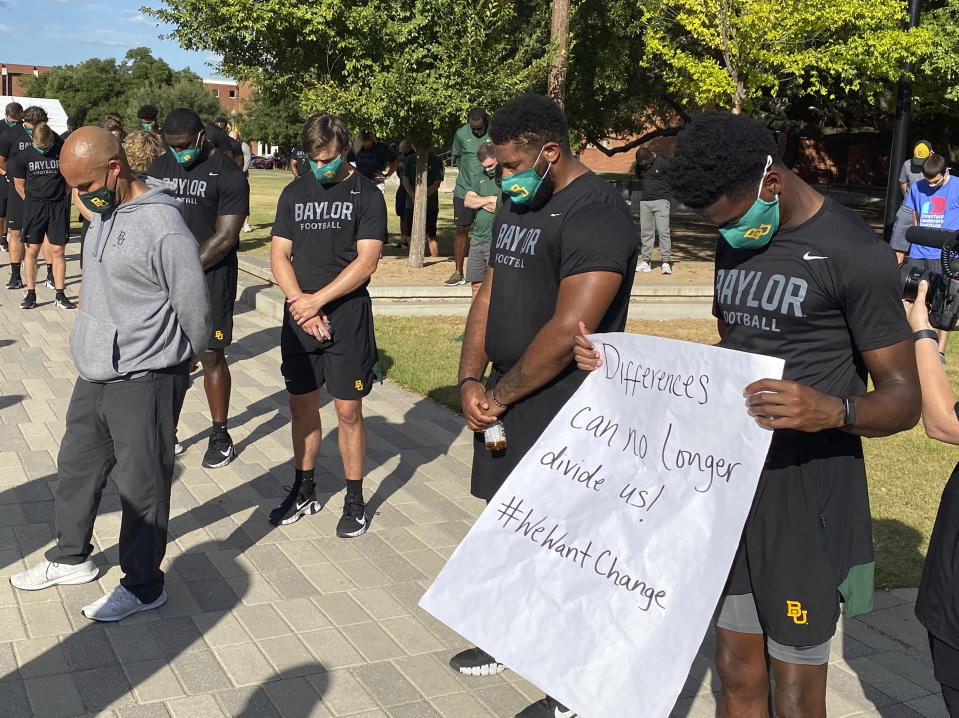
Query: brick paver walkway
x=293 y=621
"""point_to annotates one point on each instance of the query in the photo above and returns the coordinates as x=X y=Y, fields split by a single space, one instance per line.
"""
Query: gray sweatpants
x=653 y=220
x=125 y=431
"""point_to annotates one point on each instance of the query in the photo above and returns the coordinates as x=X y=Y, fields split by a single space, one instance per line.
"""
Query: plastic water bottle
x=495 y=436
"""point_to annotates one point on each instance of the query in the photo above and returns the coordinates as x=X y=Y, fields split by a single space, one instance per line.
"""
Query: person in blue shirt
x=934 y=201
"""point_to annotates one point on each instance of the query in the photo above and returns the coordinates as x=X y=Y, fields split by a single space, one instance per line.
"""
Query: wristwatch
x=848 y=411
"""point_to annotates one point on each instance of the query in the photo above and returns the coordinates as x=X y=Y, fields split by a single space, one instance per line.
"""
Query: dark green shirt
x=434 y=173
x=483 y=223
x=465 y=144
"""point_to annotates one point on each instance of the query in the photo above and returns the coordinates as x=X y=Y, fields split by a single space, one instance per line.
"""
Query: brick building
x=231 y=94
x=10 y=74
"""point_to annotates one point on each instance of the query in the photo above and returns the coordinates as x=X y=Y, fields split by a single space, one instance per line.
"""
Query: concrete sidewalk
x=293 y=621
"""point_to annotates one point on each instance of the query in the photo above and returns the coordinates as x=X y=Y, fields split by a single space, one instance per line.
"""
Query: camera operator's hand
x=779 y=404
x=917 y=312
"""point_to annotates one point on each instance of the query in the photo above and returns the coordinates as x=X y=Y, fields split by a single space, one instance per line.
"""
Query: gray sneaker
x=118 y=604
x=46 y=574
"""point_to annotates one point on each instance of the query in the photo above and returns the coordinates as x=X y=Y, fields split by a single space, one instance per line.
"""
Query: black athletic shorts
x=807 y=543
x=432 y=215
x=348 y=364
x=399 y=205
x=221 y=283
x=4 y=192
x=45 y=219
x=463 y=216
x=14 y=209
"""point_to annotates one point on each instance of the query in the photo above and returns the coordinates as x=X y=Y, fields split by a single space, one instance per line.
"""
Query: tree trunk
x=418 y=233
x=559 y=38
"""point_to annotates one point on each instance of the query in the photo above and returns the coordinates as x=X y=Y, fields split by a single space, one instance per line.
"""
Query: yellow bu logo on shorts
x=218 y=334
x=757 y=232
x=359 y=385
x=795 y=611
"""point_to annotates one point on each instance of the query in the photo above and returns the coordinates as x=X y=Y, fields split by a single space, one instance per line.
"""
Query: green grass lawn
x=906 y=472
x=265 y=188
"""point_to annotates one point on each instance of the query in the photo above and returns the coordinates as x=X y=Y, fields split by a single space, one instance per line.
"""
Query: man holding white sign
x=804 y=279
x=563 y=248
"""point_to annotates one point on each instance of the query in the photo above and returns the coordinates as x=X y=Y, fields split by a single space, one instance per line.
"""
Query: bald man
x=145 y=318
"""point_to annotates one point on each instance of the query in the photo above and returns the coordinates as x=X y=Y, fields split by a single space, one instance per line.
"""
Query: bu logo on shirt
x=757 y=232
x=96 y=201
x=795 y=611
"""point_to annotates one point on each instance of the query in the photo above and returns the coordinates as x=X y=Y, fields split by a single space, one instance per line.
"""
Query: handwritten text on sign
x=595 y=569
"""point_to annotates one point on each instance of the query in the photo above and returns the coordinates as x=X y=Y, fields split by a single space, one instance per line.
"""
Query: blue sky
x=65 y=32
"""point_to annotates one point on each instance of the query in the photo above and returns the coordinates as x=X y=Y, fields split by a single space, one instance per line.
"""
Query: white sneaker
x=666 y=268
x=643 y=267
x=46 y=574
x=247 y=227
x=118 y=604
x=178 y=448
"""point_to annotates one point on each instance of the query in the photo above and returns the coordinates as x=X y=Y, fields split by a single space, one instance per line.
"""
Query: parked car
x=261 y=163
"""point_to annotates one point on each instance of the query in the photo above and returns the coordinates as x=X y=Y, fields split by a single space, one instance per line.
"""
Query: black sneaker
x=15 y=283
x=29 y=301
x=4 y=247
x=476 y=662
x=61 y=302
x=546 y=708
x=301 y=502
x=353 y=521
x=220 y=451
x=48 y=283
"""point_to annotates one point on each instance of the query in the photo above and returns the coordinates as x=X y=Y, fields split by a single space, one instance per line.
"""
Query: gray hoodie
x=145 y=304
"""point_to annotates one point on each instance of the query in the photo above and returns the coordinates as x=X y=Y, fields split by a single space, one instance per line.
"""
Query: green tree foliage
x=272 y=116
x=733 y=53
x=398 y=67
x=97 y=86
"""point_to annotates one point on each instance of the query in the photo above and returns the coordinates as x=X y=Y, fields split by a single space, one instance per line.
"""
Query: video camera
x=942 y=298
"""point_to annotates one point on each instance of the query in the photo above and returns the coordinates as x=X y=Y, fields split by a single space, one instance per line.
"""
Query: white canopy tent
x=56 y=114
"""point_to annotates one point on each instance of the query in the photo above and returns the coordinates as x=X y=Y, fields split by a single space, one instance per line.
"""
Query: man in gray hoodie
x=144 y=318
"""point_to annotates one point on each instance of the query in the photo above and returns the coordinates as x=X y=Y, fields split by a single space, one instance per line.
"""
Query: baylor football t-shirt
x=584 y=228
x=211 y=188
x=14 y=140
x=324 y=221
x=817 y=296
x=40 y=172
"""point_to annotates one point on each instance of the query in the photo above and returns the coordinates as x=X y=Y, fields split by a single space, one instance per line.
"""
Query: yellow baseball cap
x=920 y=152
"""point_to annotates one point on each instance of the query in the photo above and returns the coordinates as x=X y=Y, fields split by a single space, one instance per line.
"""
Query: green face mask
x=522 y=186
x=28 y=130
x=755 y=228
x=9 y=123
x=148 y=125
x=42 y=150
x=99 y=201
x=188 y=156
x=327 y=172
x=491 y=173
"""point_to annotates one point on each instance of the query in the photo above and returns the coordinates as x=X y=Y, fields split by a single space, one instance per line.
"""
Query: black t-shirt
x=13 y=140
x=302 y=161
x=41 y=173
x=372 y=159
x=584 y=228
x=220 y=139
x=817 y=296
x=652 y=180
x=211 y=188
x=324 y=221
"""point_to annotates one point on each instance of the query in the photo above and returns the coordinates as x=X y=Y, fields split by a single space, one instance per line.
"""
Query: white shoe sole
x=139 y=609
x=486 y=670
x=226 y=460
x=306 y=510
x=80 y=576
x=353 y=534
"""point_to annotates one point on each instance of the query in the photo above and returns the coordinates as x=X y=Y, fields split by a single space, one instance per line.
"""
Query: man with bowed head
x=145 y=317
x=802 y=278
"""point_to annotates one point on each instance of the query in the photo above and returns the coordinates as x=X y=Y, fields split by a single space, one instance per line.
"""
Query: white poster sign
x=596 y=568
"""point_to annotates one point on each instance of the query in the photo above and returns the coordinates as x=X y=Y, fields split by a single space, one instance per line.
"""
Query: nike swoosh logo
x=807 y=256
x=214 y=174
x=557 y=214
x=354 y=191
x=225 y=453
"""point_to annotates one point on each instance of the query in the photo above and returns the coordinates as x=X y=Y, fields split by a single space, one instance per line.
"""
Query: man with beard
x=546 y=270
x=466 y=141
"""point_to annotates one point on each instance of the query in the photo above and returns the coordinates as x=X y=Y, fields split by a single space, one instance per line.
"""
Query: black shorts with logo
x=4 y=192
x=14 y=209
x=45 y=219
x=348 y=364
x=432 y=217
x=463 y=216
x=221 y=283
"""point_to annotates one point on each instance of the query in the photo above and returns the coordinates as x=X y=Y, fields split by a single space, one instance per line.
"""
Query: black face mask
x=480 y=132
